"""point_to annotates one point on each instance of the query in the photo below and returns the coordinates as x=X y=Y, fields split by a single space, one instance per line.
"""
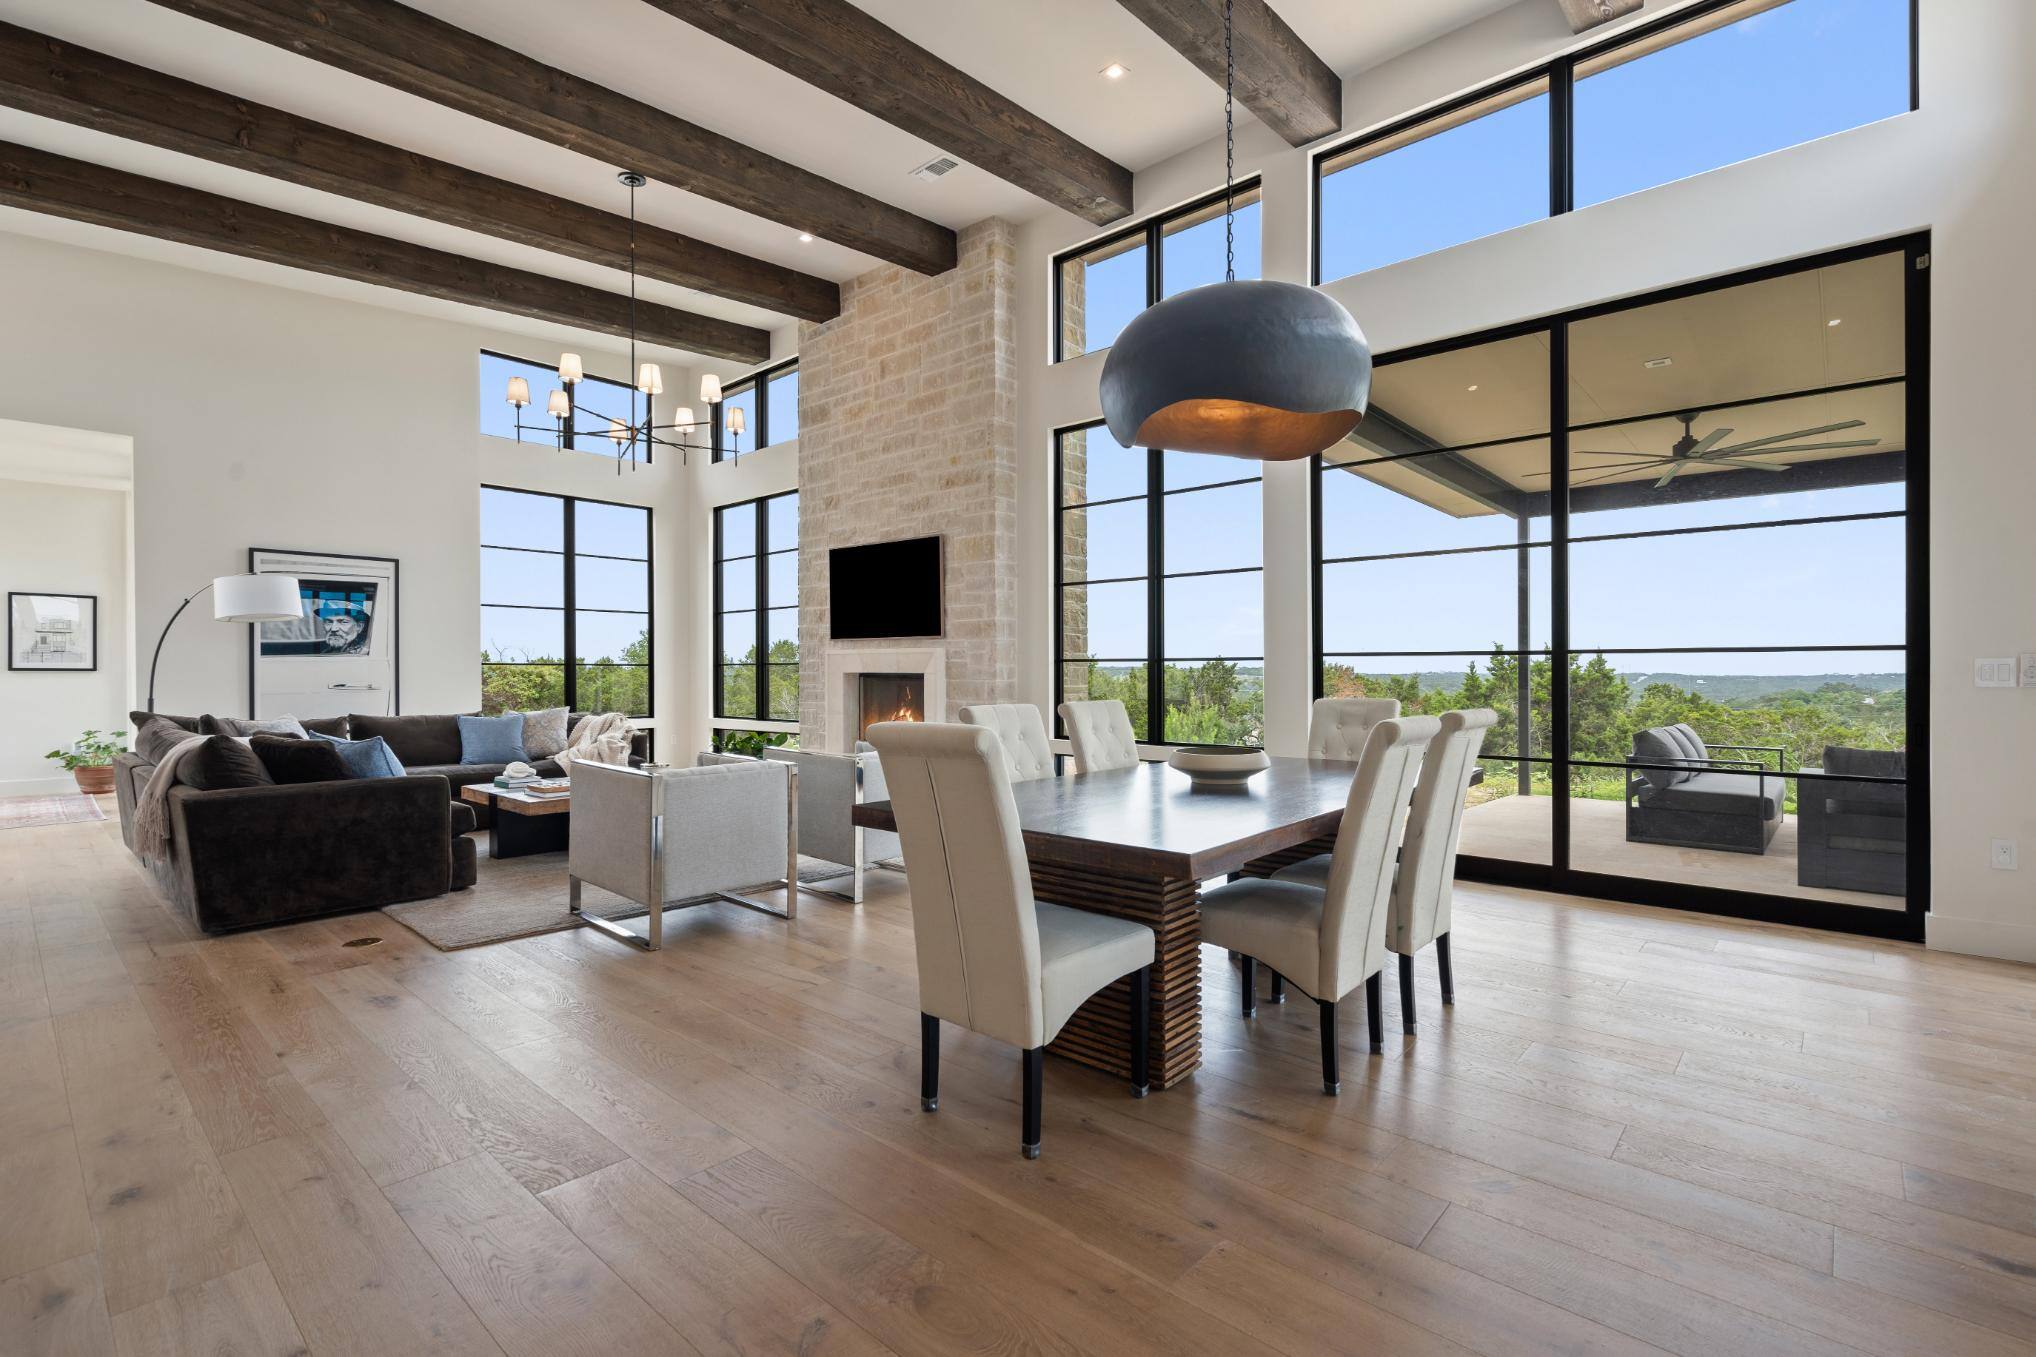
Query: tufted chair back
x=1100 y=734
x=1339 y=726
x=1359 y=891
x=1022 y=731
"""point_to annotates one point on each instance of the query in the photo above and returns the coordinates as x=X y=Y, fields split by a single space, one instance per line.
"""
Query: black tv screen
x=884 y=589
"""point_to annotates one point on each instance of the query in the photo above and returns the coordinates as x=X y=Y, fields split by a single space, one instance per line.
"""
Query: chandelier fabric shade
x=519 y=392
x=1251 y=368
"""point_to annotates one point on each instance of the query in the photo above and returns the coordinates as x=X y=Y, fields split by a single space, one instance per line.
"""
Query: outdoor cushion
x=492 y=739
x=1866 y=762
x=1658 y=746
x=371 y=757
x=1719 y=794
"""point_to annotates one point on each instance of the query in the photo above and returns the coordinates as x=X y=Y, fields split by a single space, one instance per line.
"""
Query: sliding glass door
x=1676 y=543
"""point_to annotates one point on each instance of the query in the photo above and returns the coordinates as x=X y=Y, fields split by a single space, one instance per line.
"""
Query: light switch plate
x=2028 y=676
x=1995 y=672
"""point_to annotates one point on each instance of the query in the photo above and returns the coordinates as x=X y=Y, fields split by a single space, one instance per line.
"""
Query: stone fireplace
x=888 y=697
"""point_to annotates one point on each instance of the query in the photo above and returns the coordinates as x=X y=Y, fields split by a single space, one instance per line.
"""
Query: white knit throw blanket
x=152 y=809
x=599 y=738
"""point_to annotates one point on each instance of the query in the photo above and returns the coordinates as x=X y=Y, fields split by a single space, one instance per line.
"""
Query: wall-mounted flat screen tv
x=885 y=589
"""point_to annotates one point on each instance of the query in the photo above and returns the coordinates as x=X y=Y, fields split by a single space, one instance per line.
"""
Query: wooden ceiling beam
x=836 y=47
x=408 y=50
x=59 y=186
x=1279 y=77
x=56 y=79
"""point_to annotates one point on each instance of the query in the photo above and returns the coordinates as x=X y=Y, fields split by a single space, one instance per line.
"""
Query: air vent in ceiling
x=935 y=168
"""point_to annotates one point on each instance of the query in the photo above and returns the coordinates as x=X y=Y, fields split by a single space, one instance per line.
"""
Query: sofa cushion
x=462 y=818
x=244 y=727
x=1658 y=746
x=370 y=757
x=138 y=719
x=414 y=739
x=290 y=761
x=1722 y=794
x=544 y=732
x=223 y=762
x=492 y=739
x=1839 y=760
x=158 y=736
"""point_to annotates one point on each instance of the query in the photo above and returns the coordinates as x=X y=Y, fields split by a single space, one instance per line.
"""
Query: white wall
x=1958 y=167
x=62 y=539
x=268 y=416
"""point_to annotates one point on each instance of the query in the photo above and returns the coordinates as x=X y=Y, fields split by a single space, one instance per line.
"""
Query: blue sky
x=526 y=577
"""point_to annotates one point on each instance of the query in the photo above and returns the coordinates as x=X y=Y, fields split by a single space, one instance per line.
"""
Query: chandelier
x=629 y=435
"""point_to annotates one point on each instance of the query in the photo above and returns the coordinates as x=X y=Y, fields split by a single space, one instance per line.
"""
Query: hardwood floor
x=1635 y=1132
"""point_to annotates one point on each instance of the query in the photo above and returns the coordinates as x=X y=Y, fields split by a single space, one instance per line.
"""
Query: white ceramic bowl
x=1218 y=767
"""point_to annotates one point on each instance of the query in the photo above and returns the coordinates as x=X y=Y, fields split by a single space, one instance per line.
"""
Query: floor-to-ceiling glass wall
x=1692 y=606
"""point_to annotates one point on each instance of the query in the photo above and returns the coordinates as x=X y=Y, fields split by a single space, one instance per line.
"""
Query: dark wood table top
x=1151 y=821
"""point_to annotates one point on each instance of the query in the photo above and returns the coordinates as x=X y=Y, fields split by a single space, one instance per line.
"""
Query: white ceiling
x=1044 y=54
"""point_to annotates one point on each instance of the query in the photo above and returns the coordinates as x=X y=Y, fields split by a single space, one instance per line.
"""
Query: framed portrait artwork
x=53 y=633
x=339 y=655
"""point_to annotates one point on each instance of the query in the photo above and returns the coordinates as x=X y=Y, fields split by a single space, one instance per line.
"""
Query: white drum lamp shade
x=256 y=598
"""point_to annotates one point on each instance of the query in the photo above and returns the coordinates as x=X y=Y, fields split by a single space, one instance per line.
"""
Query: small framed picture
x=54 y=632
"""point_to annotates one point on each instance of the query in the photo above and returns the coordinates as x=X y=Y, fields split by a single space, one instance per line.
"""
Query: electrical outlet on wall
x=2001 y=854
x=2027 y=674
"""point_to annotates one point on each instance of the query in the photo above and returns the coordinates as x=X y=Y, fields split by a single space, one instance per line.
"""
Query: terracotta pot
x=94 y=781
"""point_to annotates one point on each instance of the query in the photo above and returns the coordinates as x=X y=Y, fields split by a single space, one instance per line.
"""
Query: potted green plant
x=90 y=760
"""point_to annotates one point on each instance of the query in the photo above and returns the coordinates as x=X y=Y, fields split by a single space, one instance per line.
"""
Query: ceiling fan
x=1712 y=450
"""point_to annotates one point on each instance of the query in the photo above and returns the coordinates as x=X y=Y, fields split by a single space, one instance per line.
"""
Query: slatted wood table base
x=1287 y=857
x=1099 y=1034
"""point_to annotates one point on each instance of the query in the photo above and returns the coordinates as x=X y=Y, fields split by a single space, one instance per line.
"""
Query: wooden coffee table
x=523 y=824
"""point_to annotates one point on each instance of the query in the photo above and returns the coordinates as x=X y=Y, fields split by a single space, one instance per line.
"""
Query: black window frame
x=1907 y=923
x=763 y=609
x=758 y=381
x=572 y=403
x=1156 y=575
x=1560 y=74
x=1153 y=229
x=570 y=553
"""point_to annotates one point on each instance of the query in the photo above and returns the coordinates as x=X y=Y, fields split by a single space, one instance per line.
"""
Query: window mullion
x=1561 y=136
x=1155 y=595
x=572 y=674
x=763 y=608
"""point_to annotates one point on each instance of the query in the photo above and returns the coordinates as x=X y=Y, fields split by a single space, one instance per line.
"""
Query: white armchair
x=831 y=786
x=682 y=836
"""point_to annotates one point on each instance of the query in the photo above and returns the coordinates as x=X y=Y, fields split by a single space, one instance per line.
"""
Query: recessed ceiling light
x=1835 y=321
x=1658 y=363
x=1116 y=70
x=805 y=237
x=1472 y=387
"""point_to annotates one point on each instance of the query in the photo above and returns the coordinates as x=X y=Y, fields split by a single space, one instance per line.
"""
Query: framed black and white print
x=53 y=632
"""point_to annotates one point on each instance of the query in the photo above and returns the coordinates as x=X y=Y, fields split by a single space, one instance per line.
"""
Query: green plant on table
x=93 y=750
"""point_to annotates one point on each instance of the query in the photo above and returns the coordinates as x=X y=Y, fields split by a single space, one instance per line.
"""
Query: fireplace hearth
x=888 y=697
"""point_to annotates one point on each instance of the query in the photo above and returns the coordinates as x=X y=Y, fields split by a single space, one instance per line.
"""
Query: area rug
x=21 y=812
x=525 y=897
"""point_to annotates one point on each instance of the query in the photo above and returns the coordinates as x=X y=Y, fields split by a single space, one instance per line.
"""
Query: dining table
x=1137 y=843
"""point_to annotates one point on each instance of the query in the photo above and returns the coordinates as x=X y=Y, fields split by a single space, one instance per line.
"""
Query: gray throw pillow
x=544 y=733
x=241 y=726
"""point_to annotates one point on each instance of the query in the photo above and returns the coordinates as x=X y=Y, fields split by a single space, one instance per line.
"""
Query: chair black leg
x=1250 y=981
x=1035 y=1063
x=1331 y=1083
x=929 y=1062
x=1279 y=988
x=1374 y=989
x=1442 y=964
x=1407 y=995
x=1141 y=1031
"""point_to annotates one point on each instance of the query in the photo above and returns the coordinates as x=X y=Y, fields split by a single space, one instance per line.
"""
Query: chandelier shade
x=1253 y=368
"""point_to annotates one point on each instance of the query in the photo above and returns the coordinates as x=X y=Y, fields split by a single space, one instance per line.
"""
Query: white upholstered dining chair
x=1339 y=726
x=1099 y=734
x=1022 y=731
x=1329 y=939
x=1425 y=882
x=991 y=958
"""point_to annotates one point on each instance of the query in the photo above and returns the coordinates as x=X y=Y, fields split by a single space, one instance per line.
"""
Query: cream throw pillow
x=544 y=732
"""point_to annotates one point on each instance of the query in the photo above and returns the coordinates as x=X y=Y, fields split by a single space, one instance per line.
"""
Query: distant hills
x=1733 y=689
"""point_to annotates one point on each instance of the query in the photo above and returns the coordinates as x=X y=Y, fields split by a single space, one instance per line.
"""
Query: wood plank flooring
x=1635 y=1132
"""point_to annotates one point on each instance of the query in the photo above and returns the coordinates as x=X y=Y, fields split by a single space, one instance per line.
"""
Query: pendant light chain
x=1229 y=150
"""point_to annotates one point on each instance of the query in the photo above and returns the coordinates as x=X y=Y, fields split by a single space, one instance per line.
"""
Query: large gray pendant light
x=1269 y=370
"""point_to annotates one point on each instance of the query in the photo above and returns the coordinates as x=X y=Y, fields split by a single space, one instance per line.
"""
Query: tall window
x=1719 y=83
x=565 y=603
x=1161 y=588
x=586 y=428
x=1687 y=588
x=1101 y=286
x=769 y=401
x=756 y=610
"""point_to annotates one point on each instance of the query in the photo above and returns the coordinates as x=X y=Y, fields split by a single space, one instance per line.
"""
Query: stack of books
x=549 y=786
x=516 y=784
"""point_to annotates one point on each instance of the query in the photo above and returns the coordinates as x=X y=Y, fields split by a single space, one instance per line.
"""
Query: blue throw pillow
x=492 y=739
x=371 y=757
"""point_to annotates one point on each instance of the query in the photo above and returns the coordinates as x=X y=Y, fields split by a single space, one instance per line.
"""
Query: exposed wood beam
x=832 y=45
x=63 y=187
x=56 y=79
x=1279 y=77
x=1585 y=15
x=414 y=52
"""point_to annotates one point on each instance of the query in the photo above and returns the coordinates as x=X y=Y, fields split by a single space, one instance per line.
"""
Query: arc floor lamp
x=236 y=598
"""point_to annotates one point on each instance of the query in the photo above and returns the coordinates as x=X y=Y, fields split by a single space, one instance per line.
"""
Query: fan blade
x=1748 y=466
x=1630 y=452
x=1799 y=433
x=1603 y=474
x=1711 y=440
x=1678 y=469
x=1803 y=447
x=1611 y=466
